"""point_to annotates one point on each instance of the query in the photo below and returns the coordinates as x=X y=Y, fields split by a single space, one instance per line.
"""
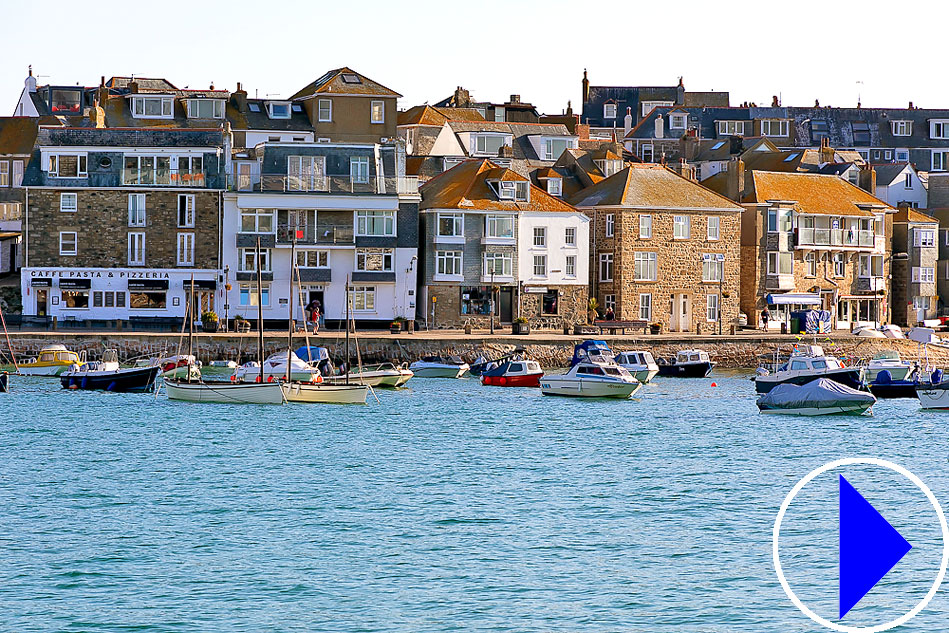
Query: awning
x=149 y=284
x=41 y=282
x=862 y=297
x=797 y=298
x=75 y=284
x=199 y=284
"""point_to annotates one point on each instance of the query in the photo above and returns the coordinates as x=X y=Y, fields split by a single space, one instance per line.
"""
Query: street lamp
x=491 y=302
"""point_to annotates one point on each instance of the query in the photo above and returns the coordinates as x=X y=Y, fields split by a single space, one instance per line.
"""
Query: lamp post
x=492 y=299
x=227 y=295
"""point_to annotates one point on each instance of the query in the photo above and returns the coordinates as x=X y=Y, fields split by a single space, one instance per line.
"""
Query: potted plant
x=655 y=328
x=209 y=321
x=398 y=323
x=521 y=326
x=593 y=310
x=241 y=325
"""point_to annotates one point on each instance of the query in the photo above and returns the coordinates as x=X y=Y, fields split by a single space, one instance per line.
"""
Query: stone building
x=663 y=249
x=119 y=221
x=494 y=242
x=915 y=254
x=812 y=241
x=17 y=135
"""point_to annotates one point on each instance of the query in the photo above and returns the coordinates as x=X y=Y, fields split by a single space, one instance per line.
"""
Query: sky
x=801 y=51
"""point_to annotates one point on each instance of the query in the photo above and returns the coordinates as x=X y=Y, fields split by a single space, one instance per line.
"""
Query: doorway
x=317 y=295
x=13 y=257
x=506 y=305
x=681 y=312
x=42 y=299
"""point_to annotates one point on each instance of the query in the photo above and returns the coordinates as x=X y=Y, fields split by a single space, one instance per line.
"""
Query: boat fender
x=111 y=386
x=85 y=381
x=319 y=378
x=269 y=378
x=233 y=378
x=502 y=381
x=884 y=377
x=257 y=379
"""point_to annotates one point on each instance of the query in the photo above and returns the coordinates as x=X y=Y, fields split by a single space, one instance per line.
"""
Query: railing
x=325 y=183
x=322 y=233
x=10 y=211
x=835 y=237
x=164 y=177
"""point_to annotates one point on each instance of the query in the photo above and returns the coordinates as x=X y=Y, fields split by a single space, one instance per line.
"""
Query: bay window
x=451 y=225
x=499 y=264
x=499 y=226
x=375 y=223
x=780 y=263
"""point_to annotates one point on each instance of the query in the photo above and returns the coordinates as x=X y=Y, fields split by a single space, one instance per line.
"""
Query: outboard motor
x=936 y=376
x=884 y=377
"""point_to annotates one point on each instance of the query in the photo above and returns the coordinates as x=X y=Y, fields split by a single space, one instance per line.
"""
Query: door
x=41 y=302
x=205 y=301
x=317 y=295
x=244 y=181
x=506 y=305
x=682 y=312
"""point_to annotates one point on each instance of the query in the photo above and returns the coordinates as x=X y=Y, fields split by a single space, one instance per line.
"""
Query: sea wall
x=550 y=350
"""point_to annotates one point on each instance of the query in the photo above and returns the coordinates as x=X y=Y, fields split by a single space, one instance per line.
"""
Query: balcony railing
x=315 y=183
x=835 y=237
x=322 y=233
x=164 y=177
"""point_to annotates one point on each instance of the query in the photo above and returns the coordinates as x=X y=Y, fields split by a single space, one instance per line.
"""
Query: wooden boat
x=591 y=380
x=688 y=363
x=224 y=391
x=381 y=375
x=821 y=396
x=640 y=364
x=806 y=363
x=514 y=372
x=325 y=393
x=52 y=361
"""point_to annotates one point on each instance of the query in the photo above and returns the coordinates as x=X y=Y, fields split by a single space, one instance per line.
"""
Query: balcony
x=315 y=183
x=828 y=238
x=164 y=177
x=870 y=284
x=323 y=233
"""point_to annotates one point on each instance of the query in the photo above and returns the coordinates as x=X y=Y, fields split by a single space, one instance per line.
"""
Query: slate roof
x=888 y=172
x=907 y=215
x=126 y=137
x=702 y=119
x=818 y=194
x=520 y=132
x=465 y=186
x=332 y=83
x=651 y=186
x=430 y=115
x=246 y=119
x=633 y=96
x=17 y=135
x=144 y=83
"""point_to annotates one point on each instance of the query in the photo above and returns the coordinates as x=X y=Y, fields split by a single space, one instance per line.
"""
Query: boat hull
x=686 y=370
x=849 y=376
x=138 y=379
x=933 y=396
x=44 y=370
x=225 y=392
x=643 y=375
x=325 y=393
x=895 y=389
x=440 y=372
x=896 y=373
x=4 y=382
x=812 y=411
x=529 y=380
x=382 y=378
x=557 y=386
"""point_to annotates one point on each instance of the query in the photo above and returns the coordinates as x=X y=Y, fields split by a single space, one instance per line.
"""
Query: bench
x=613 y=325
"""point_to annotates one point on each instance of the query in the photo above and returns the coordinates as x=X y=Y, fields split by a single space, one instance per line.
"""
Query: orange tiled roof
x=821 y=194
x=907 y=214
x=465 y=186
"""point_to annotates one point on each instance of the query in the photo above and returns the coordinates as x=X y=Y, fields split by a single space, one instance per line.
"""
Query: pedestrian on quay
x=765 y=317
x=313 y=308
x=610 y=315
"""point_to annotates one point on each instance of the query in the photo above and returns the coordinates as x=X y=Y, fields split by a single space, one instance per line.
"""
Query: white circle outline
x=886 y=625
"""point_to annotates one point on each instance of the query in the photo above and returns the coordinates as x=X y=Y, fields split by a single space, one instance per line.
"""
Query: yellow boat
x=52 y=361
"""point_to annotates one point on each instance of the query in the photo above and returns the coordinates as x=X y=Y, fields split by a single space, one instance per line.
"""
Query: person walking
x=313 y=308
x=765 y=317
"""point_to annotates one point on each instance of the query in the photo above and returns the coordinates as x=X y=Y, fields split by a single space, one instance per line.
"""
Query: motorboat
x=934 y=393
x=884 y=386
x=890 y=361
x=482 y=364
x=868 y=331
x=591 y=380
x=821 y=396
x=224 y=391
x=592 y=351
x=226 y=364
x=107 y=375
x=51 y=361
x=805 y=363
x=514 y=373
x=381 y=375
x=325 y=393
x=439 y=367
x=4 y=382
x=688 y=363
x=275 y=367
x=178 y=366
x=892 y=331
x=640 y=364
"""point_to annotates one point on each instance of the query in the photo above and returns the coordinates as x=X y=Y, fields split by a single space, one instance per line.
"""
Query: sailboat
x=315 y=390
x=225 y=391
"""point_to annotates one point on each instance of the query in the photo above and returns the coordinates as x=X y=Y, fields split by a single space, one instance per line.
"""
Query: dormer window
x=649 y=106
x=610 y=166
x=65 y=100
x=205 y=109
x=490 y=144
x=609 y=110
x=731 y=128
x=279 y=110
x=513 y=190
x=152 y=107
x=555 y=147
x=902 y=128
x=678 y=121
x=774 y=127
x=555 y=186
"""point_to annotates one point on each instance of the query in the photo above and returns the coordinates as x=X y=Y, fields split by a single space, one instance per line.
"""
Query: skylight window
x=790 y=158
x=350 y=78
x=254 y=107
x=297 y=107
x=718 y=145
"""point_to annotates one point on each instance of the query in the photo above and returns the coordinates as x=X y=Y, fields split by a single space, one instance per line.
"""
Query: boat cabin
x=643 y=359
x=811 y=364
x=590 y=369
x=691 y=356
x=52 y=355
x=523 y=367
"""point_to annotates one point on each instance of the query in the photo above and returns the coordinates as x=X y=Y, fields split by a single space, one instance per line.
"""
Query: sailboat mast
x=293 y=261
x=347 y=331
x=191 y=316
x=260 y=314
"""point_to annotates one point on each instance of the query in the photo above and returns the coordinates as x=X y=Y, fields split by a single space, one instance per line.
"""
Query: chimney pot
x=515 y=99
x=910 y=105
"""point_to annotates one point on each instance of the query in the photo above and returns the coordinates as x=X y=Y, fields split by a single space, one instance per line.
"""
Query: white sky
x=424 y=49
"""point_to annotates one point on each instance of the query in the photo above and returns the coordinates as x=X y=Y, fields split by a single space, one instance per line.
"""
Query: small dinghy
x=439 y=367
x=688 y=363
x=822 y=396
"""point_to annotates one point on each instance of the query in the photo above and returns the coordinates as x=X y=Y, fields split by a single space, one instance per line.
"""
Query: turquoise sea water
x=449 y=506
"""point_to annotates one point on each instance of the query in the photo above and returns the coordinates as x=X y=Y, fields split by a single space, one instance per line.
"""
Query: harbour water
x=447 y=506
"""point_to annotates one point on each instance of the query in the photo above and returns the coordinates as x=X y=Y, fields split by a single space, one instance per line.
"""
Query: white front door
x=681 y=312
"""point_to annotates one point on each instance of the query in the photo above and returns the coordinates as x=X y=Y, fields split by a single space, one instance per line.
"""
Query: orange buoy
x=714 y=384
x=319 y=378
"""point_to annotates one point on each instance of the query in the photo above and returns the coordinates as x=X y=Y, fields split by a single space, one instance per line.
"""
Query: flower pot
x=521 y=328
x=242 y=327
x=209 y=326
x=655 y=329
x=395 y=328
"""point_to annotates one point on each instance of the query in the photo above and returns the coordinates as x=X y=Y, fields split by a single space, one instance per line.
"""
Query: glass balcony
x=325 y=183
x=846 y=238
x=163 y=177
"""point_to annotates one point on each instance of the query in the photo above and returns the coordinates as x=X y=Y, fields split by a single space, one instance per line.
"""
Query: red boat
x=514 y=373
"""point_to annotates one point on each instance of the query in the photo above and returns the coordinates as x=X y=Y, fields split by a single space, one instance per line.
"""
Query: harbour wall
x=729 y=351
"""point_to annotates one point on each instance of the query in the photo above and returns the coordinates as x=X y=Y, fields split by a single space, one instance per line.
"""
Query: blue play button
x=869 y=547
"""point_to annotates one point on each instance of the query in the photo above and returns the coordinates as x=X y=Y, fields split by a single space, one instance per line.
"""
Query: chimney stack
x=569 y=111
x=515 y=99
x=774 y=102
x=133 y=87
x=240 y=98
x=462 y=98
x=867 y=179
x=910 y=105
x=826 y=152
x=736 y=145
x=735 y=180
x=102 y=93
x=30 y=81
x=506 y=151
x=684 y=169
x=689 y=145
x=586 y=86
x=627 y=122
